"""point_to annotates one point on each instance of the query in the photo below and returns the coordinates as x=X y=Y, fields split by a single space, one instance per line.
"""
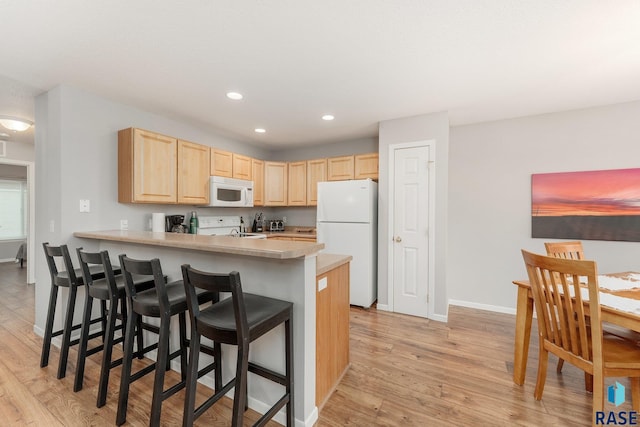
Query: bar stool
x=238 y=321
x=163 y=301
x=109 y=289
x=69 y=278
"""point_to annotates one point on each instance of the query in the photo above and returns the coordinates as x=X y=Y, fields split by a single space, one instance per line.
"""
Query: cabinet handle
x=398 y=239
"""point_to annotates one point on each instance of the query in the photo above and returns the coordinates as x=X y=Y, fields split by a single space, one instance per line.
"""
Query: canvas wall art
x=591 y=205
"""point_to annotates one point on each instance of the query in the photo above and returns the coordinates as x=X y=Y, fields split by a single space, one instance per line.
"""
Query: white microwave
x=230 y=192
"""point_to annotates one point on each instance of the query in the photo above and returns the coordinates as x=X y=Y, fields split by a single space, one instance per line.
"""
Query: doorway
x=30 y=268
x=412 y=226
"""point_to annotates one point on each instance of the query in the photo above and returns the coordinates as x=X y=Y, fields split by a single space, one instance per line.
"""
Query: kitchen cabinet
x=275 y=183
x=332 y=329
x=193 y=173
x=366 y=166
x=221 y=163
x=257 y=171
x=297 y=187
x=147 y=167
x=242 y=168
x=340 y=168
x=304 y=239
x=316 y=172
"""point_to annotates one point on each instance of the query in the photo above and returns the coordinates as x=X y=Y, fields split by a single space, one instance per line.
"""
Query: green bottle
x=193 y=223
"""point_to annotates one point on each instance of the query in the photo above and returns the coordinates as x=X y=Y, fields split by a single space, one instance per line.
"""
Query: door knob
x=398 y=239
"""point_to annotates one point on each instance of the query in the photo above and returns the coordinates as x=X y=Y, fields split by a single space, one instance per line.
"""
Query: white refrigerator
x=347 y=224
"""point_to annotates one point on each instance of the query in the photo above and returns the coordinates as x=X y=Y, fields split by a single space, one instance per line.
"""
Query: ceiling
x=363 y=61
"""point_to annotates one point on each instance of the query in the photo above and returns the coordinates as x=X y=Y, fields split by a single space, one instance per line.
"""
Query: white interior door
x=410 y=230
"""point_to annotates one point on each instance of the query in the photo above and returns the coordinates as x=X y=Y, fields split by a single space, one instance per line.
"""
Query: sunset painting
x=592 y=205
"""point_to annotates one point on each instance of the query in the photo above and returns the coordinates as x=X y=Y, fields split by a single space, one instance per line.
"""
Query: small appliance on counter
x=175 y=224
x=276 y=225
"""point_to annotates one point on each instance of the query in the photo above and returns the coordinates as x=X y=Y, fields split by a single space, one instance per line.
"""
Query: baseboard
x=486 y=307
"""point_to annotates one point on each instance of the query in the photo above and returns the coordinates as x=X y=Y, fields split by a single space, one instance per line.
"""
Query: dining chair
x=572 y=330
x=566 y=250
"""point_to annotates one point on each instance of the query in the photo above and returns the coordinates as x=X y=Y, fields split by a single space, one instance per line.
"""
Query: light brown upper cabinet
x=316 y=172
x=297 y=193
x=340 y=168
x=147 y=167
x=193 y=173
x=257 y=169
x=275 y=184
x=366 y=166
x=242 y=167
x=221 y=163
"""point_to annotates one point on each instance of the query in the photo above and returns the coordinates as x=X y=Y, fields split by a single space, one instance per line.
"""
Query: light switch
x=85 y=205
x=322 y=284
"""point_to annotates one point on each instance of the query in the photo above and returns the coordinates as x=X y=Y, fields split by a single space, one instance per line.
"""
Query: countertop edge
x=219 y=244
x=328 y=262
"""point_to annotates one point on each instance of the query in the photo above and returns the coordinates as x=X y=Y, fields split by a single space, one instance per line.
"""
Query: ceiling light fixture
x=234 y=95
x=259 y=130
x=15 y=124
x=328 y=117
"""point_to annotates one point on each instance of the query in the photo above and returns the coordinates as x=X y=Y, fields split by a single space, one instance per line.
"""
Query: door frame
x=431 y=143
x=31 y=227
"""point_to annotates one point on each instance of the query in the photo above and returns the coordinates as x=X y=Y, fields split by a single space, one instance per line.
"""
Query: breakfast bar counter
x=275 y=268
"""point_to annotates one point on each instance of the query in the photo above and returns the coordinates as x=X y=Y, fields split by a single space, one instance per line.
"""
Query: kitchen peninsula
x=276 y=268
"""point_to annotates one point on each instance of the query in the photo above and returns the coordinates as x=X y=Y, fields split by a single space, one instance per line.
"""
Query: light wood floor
x=404 y=371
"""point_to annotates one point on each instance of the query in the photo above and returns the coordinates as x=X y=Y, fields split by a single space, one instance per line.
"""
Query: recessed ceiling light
x=15 y=124
x=328 y=117
x=259 y=130
x=234 y=95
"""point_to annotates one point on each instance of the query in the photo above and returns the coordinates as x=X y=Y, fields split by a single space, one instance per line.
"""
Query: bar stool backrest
x=151 y=267
x=97 y=258
x=53 y=252
x=216 y=283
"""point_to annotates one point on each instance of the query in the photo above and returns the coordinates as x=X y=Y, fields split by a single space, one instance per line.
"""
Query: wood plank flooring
x=405 y=371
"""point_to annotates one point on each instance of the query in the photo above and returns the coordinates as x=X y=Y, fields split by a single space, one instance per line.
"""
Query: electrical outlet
x=284 y=219
x=124 y=224
x=52 y=226
x=322 y=284
x=85 y=205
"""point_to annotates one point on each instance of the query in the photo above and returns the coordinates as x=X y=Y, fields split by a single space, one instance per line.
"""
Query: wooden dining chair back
x=572 y=330
x=566 y=250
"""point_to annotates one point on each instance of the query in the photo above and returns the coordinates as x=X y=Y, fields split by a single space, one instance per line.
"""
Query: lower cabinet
x=332 y=330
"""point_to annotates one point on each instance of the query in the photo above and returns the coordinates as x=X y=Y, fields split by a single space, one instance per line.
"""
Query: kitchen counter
x=328 y=262
x=266 y=248
x=280 y=269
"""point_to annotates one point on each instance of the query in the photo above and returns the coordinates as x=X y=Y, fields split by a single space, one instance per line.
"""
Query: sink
x=249 y=235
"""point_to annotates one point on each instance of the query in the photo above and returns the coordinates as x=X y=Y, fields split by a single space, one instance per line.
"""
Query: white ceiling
x=294 y=60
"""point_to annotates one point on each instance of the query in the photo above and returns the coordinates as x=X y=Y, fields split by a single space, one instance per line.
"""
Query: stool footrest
x=271 y=412
x=267 y=373
x=213 y=399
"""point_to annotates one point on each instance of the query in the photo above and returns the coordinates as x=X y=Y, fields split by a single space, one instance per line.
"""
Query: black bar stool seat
x=163 y=301
x=238 y=320
x=109 y=289
x=70 y=278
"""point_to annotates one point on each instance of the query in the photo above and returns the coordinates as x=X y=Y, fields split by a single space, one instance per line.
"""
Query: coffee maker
x=175 y=224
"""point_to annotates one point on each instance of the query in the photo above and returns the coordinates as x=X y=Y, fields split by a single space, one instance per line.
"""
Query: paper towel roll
x=157 y=222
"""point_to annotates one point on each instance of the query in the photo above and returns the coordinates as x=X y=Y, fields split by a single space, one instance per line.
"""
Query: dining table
x=619 y=302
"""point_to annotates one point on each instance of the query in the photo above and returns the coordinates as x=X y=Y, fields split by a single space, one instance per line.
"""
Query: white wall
x=419 y=128
x=76 y=158
x=490 y=167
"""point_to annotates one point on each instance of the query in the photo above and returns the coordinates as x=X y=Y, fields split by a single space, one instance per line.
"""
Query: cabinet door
x=297 y=194
x=316 y=172
x=366 y=166
x=275 y=184
x=221 y=163
x=147 y=164
x=257 y=170
x=340 y=168
x=242 y=167
x=193 y=173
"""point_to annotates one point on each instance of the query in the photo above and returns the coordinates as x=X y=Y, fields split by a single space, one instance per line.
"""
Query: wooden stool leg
x=107 y=353
x=161 y=366
x=289 y=370
x=192 y=381
x=48 y=329
x=184 y=345
x=82 y=345
x=125 y=380
x=66 y=334
x=240 y=394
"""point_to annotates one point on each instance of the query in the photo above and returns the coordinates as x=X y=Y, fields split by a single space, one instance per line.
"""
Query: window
x=13 y=209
